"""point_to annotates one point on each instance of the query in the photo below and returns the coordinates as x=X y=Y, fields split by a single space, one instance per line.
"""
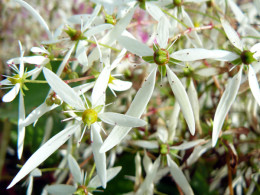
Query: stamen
x=102 y=128
x=68 y=119
x=82 y=134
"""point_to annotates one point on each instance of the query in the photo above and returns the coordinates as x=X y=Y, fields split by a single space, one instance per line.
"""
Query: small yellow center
x=89 y=117
x=111 y=79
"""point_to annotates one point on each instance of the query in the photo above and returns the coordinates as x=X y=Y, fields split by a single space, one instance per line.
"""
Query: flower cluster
x=165 y=80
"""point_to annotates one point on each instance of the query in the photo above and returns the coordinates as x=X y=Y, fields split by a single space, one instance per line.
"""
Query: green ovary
x=247 y=57
x=89 y=117
x=161 y=57
x=15 y=79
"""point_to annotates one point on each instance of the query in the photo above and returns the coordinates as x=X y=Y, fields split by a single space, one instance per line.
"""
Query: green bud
x=57 y=101
x=161 y=57
x=247 y=57
x=73 y=75
x=49 y=101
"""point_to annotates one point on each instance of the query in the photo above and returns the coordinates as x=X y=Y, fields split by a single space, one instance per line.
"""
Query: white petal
x=193 y=96
x=100 y=158
x=92 y=18
x=253 y=83
x=197 y=153
x=182 y=98
x=11 y=94
x=65 y=60
x=21 y=128
x=39 y=60
x=200 y=54
x=118 y=59
x=98 y=29
x=61 y=189
x=146 y=144
x=135 y=46
x=63 y=90
x=163 y=32
x=75 y=169
x=44 y=152
x=36 y=15
x=111 y=173
x=187 y=145
x=179 y=177
x=256 y=50
x=154 y=11
x=136 y=109
x=224 y=105
x=81 y=53
x=121 y=119
x=100 y=86
x=37 y=113
x=232 y=34
x=39 y=50
x=240 y=17
x=150 y=176
x=119 y=85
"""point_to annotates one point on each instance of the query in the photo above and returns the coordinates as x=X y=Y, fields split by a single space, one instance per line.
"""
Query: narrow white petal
x=63 y=90
x=37 y=113
x=75 y=169
x=81 y=53
x=253 y=83
x=121 y=119
x=65 y=60
x=100 y=86
x=11 y=94
x=135 y=46
x=200 y=54
x=44 y=152
x=136 y=109
x=188 y=145
x=92 y=18
x=119 y=85
x=150 y=176
x=179 y=177
x=100 y=158
x=39 y=50
x=182 y=98
x=39 y=60
x=197 y=153
x=193 y=96
x=232 y=35
x=224 y=105
x=118 y=59
x=146 y=144
x=98 y=29
x=21 y=128
x=240 y=17
x=30 y=186
x=36 y=15
x=256 y=50
x=111 y=173
x=61 y=189
x=163 y=32
x=154 y=11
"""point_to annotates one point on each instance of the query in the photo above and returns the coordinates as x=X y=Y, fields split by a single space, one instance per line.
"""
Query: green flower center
x=161 y=57
x=15 y=79
x=89 y=117
x=81 y=190
x=247 y=57
x=164 y=149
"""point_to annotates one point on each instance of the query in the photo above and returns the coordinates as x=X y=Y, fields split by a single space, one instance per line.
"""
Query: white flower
x=246 y=57
x=90 y=115
x=18 y=82
x=161 y=63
